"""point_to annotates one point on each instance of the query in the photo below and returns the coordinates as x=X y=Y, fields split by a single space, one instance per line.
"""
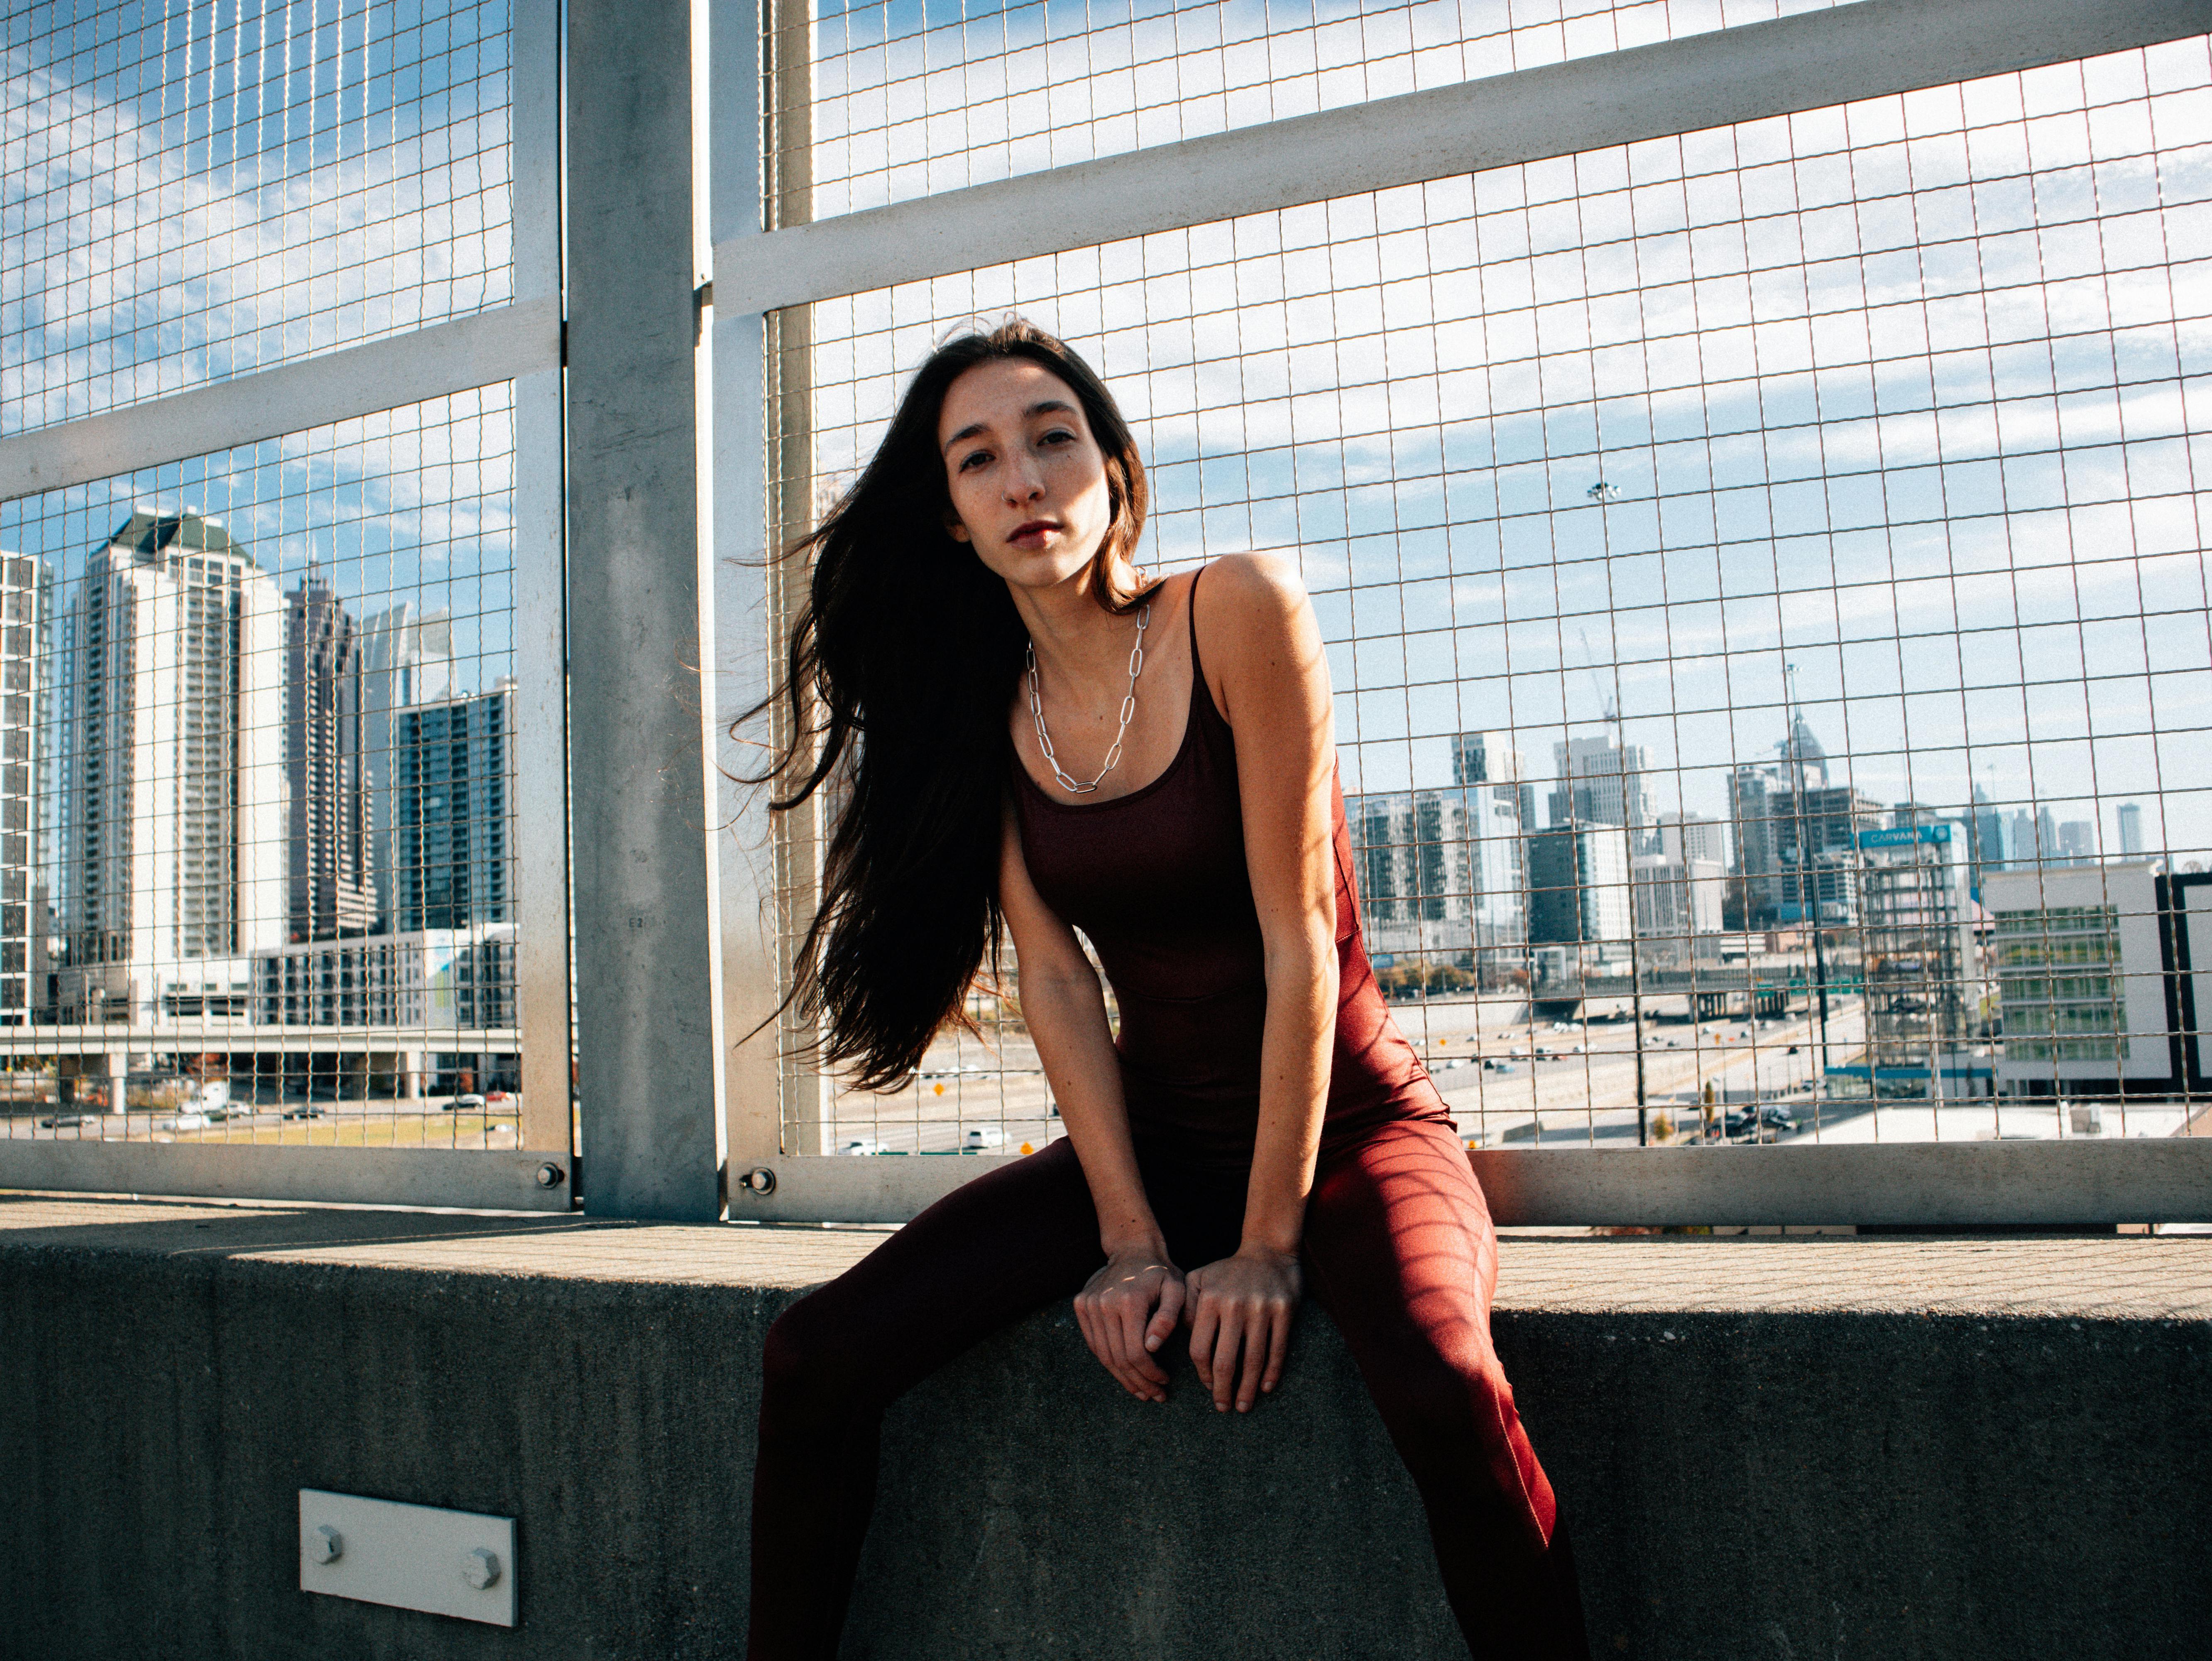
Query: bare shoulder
x=1259 y=583
x=1258 y=635
x=1254 y=603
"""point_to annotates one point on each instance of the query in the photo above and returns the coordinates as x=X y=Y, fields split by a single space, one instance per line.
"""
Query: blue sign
x=1905 y=836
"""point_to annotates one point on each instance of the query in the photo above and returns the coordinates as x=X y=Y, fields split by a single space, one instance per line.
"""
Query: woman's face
x=1028 y=480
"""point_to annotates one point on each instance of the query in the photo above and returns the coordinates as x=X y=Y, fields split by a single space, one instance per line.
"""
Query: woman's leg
x=977 y=1261
x=1403 y=1255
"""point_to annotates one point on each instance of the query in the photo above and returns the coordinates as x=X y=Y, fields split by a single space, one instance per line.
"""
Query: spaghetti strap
x=1197 y=669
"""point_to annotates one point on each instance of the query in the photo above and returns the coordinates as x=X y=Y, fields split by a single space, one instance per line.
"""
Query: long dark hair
x=908 y=650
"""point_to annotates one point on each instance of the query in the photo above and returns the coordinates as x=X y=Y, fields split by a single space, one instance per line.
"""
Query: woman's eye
x=1058 y=436
x=975 y=459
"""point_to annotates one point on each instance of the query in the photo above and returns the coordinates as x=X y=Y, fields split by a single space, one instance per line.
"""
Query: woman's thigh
x=1400 y=1215
x=980 y=1259
x=1404 y=1258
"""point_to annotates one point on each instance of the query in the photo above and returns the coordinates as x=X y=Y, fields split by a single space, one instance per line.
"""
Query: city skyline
x=1775 y=507
x=1899 y=878
x=216 y=802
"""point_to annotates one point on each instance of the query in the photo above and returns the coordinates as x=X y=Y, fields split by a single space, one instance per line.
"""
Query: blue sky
x=1911 y=395
x=196 y=191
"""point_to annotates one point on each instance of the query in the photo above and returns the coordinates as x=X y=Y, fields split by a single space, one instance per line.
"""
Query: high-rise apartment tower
x=26 y=599
x=330 y=892
x=171 y=760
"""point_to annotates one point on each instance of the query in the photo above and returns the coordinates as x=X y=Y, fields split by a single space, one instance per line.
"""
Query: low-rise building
x=432 y=981
x=2081 y=979
x=1678 y=903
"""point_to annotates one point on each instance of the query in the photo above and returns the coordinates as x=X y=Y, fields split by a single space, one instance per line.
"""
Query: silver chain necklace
x=1128 y=708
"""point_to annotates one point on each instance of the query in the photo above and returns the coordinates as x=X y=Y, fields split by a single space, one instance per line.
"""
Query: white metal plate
x=411 y=1557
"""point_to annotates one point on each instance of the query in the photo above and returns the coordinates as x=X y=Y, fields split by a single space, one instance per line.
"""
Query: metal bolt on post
x=480 y=1569
x=325 y=1545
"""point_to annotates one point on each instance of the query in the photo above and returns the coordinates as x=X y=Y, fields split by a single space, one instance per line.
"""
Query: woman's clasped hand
x=1239 y=1311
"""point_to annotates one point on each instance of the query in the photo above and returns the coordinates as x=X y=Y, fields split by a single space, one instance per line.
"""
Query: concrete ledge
x=1770 y=1448
x=2167 y=1179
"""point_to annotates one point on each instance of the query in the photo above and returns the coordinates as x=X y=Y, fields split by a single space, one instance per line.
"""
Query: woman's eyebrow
x=1048 y=406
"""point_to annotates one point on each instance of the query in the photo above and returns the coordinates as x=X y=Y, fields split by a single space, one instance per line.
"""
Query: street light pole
x=1605 y=495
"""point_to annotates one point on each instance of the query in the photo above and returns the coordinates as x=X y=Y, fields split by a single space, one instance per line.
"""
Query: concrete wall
x=1777 y=1450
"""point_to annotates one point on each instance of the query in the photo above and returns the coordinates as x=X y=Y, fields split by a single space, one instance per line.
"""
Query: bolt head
x=480 y=1569
x=760 y=1180
x=324 y=1544
x=550 y=1175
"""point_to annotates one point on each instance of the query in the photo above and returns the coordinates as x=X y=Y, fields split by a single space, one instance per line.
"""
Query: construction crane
x=1605 y=700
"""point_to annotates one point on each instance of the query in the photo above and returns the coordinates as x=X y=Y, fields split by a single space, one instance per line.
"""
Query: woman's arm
x=1132 y=1305
x=1273 y=679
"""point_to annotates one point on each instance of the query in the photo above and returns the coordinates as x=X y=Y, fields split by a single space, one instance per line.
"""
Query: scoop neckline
x=1174 y=765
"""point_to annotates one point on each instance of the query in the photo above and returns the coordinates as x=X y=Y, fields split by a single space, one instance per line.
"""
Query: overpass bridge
x=1711 y=989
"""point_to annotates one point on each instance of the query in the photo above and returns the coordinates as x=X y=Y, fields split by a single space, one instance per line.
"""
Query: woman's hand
x=1127 y=1311
x=1245 y=1303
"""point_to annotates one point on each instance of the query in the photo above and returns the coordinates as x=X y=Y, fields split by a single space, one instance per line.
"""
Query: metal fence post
x=640 y=593
x=748 y=612
x=541 y=657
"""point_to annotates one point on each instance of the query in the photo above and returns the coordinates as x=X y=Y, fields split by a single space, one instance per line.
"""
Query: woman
x=1034 y=737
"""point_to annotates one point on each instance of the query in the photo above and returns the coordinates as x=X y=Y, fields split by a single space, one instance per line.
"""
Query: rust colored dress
x=1157 y=879
x=1398 y=1244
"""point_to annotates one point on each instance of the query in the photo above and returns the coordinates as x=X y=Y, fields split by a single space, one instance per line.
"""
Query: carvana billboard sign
x=1905 y=836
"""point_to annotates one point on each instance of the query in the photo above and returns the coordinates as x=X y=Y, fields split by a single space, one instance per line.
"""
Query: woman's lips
x=1032 y=533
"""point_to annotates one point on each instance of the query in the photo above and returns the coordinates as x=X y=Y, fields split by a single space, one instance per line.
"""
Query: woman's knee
x=1448 y=1405
x=807 y=1364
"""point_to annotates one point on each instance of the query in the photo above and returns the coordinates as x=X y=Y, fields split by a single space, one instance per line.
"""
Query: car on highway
x=63 y=1121
x=1760 y=1124
x=303 y=1110
x=188 y=1118
x=859 y=1145
x=467 y=1102
x=983 y=1139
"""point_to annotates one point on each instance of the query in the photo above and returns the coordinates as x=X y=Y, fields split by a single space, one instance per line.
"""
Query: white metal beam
x=1866 y=49
x=541 y=599
x=461 y=1179
x=2142 y=1179
x=744 y=626
x=505 y=344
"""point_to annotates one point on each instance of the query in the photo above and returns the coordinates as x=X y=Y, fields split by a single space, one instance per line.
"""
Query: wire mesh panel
x=911 y=98
x=1764 y=577
x=191 y=191
x=258 y=878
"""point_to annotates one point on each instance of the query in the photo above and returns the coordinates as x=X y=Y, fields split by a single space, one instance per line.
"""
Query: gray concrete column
x=648 y=959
